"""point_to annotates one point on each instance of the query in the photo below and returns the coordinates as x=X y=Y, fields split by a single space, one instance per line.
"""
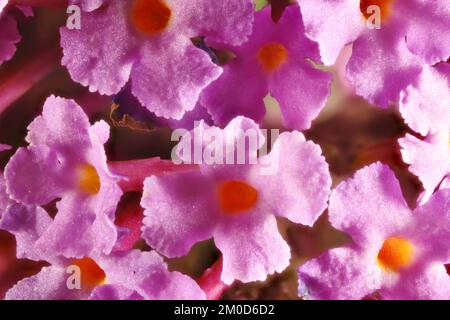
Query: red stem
x=16 y=82
x=211 y=283
x=136 y=171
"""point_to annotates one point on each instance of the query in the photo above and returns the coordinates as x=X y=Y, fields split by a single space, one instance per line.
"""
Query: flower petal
x=252 y=247
x=170 y=86
x=180 y=211
x=237 y=143
x=381 y=65
x=340 y=274
x=88 y=5
x=431 y=283
x=427 y=26
x=370 y=207
x=3 y=4
x=333 y=24
x=49 y=284
x=5 y=201
x=31 y=169
x=147 y=274
x=63 y=126
x=27 y=224
x=100 y=130
x=302 y=91
x=9 y=36
x=88 y=54
x=429 y=159
x=432 y=226
x=78 y=230
x=425 y=104
x=298 y=183
x=240 y=90
x=227 y=22
x=114 y=292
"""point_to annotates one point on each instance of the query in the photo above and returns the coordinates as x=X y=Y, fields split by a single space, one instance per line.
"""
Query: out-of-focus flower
x=396 y=252
x=235 y=203
x=276 y=60
x=411 y=33
x=425 y=106
x=149 y=43
x=66 y=160
x=9 y=34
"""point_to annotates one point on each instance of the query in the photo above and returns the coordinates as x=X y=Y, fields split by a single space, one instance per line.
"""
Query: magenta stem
x=16 y=82
x=136 y=171
x=211 y=282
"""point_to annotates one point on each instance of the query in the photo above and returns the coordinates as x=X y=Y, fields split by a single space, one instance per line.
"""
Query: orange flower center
x=89 y=181
x=150 y=16
x=272 y=56
x=395 y=254
x=91 y=273
x=384 y=5
x=236 y=196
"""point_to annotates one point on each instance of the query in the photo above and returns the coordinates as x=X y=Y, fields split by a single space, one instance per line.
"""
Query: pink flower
x=397 y=252
x=66 y=160
x=411 y=33
x=235 y=204
x=276 y=60
x=148 y=42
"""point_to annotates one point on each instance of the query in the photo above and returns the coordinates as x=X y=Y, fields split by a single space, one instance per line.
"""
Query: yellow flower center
x=272 y=56
x=150 y=16
x=395 y=254
x=90 y=272
x=89 y=181
x=236 y=196
x=384 y=5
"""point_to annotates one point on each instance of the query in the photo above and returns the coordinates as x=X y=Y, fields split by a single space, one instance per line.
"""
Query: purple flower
x=9 y=34
x=133 y=275
x=275 y=60
x=149 y=43
x=411 y=33
x=396 y=252
x=66 y=160
x=236 y=204
x=124 y=275
x=425 y=106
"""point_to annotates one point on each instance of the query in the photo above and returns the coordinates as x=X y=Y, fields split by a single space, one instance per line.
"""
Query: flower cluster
x=169 y=62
